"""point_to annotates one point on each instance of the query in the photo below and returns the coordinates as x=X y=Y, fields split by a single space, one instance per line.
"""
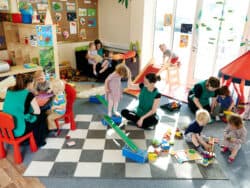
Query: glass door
x=173 y=26
x=205 y=34
x=217 y=36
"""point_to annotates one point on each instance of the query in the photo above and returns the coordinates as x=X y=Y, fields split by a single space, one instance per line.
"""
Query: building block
x=165 y=146
x=139 y=156
x=93 y=99
x=116 y=119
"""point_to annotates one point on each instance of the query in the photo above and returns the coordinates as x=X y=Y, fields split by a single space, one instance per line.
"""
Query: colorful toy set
x=172 y=106
x=157 y=149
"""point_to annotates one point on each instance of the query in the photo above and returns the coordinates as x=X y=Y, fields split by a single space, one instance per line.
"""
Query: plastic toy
x=116 y=119
x=94 y=99
x=139 y=156
x=124 y=137
x=155 y=143
x=165 y=146
x=178 y=134
x=152 y=157
x=167 y=135
x=172 y=106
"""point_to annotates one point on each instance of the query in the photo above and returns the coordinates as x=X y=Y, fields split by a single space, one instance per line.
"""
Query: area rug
x=87 y=89
x=95 y=153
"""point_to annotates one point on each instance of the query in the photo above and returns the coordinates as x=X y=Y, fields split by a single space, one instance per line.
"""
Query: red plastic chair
x=6 y=136
x=69 y=114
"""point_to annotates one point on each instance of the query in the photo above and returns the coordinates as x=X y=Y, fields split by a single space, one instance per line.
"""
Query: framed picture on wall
x=4 y=5
x=167 y=19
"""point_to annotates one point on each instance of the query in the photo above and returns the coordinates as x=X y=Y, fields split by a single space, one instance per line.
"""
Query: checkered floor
x=95 y=154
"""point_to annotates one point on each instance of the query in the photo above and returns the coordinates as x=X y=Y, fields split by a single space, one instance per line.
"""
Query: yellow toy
x=178 y=134
x=152 y=157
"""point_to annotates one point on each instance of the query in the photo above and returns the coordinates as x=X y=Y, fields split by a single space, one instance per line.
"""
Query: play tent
x=237 y=73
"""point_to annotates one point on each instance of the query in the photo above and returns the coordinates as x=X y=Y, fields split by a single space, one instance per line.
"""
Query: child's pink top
x=114 y=84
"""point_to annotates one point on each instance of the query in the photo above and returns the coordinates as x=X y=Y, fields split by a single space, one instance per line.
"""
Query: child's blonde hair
x=202 y=116
x=57 y=86
x=38 y=73
x=235 y=120
x=122 y=70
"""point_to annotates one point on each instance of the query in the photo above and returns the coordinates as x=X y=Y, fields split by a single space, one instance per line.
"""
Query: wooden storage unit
x=22 y=42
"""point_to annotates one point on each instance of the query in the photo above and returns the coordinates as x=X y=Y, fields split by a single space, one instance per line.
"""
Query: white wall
x=148 y=31
x=119 y=26
x=66 y=52
x=114 y=23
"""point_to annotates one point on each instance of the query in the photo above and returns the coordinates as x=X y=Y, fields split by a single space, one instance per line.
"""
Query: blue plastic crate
x=94 y=99
x=140 y=156
x=27 y=18
x=116 y=119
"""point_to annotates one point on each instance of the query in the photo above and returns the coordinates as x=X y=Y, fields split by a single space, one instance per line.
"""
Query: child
x=58 y=107
x=113 y=88
x=234 y=135
x=169 y=58
x=93 y=57
x=224 y=102
x=41 y=84
x=193 y=132
x=107 y=62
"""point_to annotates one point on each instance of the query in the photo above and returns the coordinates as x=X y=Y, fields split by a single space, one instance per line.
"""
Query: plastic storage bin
x=27 y=18
x=16 y=18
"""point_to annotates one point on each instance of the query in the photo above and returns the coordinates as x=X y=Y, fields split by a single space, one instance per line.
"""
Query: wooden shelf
x=23 y=46
x=19 y=69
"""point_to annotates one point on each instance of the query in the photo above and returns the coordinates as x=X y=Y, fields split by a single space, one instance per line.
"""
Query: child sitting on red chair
x=58 y=107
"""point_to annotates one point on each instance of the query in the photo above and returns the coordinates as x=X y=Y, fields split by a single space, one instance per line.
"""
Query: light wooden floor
x=11 y=175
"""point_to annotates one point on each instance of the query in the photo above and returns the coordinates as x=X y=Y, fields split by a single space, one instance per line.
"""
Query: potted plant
x=124 y=2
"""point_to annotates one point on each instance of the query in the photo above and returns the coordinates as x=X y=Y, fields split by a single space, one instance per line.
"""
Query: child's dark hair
x=224 y=91
x=236 y=120
x=213 y=82
x=153 y=78
x=97 y=41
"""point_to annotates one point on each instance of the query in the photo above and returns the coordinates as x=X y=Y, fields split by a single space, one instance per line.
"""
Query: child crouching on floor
x=234 y=135
x=58 y=107
x=193 y=132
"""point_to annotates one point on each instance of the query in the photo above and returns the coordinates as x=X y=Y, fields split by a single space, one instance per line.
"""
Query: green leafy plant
x=124 y=2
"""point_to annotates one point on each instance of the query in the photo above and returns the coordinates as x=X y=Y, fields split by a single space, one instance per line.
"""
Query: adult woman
x=199 y=95
x=20 y=102
x=145 y=114
x=99 y=47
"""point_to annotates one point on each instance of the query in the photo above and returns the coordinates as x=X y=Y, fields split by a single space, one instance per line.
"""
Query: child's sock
x=200 y=149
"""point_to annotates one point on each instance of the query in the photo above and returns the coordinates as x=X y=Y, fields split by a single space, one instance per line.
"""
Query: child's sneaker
x=230 y=159
x=224 y=149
